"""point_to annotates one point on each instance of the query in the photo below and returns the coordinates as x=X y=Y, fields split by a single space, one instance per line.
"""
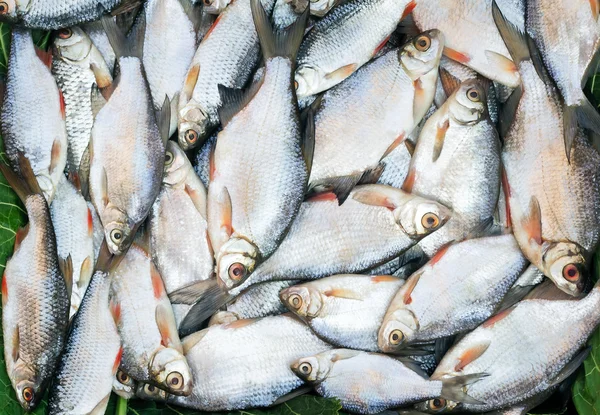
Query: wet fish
x=260 y=301
x=77 y=66
x=344 y=40
x=99 y=38
x=344 y=310
x=152 y=351
x=521 y=337
x=260 y=159
x=178 y=229
x=202 y=160
x=367 y=116
x=226 y=56
x=74 y=229
x=320 y=8
x=368 y=383
x=457 y=162
x=471 y=36
x=92 y=354
x=283 y=14
x=126 y=148
x=44 y=142
x=35 y=298
x=215 y=6
x=270 y=344
x=124 y=385
x=149 y=392
x=553 y=203
x=456 y=291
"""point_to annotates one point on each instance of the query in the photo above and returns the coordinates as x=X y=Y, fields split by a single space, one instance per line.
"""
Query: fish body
x=270 y=346
x=75 y=65
x=345 y=310
x=367 y=115
x=456 y=291
x=124 y=385
x=152 y=350
x=344 y=40
x=260 y=301
x=44 y=142
x=99 y=38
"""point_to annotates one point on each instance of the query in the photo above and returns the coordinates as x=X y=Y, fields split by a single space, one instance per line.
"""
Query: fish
x=284 y=14
x=99 y=38
x=376 y=224
x=568 y=40
x=261 y=158
x=457 y=163
x=521 y=337
x=554 y=216
x=215 y=6
x=344 y=310
x=270 y=344
x=92 y=352
x=78 y=66
x=460 y=288
x=227 y=55
x=471 y=36
x=44 y=142
x=74 y=230
x=178 y=229
x=320 y=8
x=396 y=165
x=127 y=148
x=149 y=392
x=152 y=350
x=57 y=14
x=170 y=42
x=369 y=383
x=344 y=40
x=260 y=301
x=35 y=297
x=357 y=124
x=202 y=160
x=124 y=385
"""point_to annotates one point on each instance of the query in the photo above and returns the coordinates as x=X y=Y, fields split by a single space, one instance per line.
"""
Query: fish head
x=320 y=8
x=118 y=232
x=72 y=44
x=215 y=6
x=419 y=216
x=10 y=9
x=313 y=369
x=194 y=125
x=565 y=265
x=236 y=260
x=124 y=385
x=150 y=392
x=422 y=54
x=169 y=369
x=308 y=80
x=436 y=406
x=175 y=164
x=397 y=331
x=302 y=301
x=29 y=386
x=468 y=105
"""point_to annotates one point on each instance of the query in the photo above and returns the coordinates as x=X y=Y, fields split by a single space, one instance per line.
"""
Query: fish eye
x=116 y=235
x=423 y=43
x=571 y=273
x=28 y=394
x=207 y=2
x=168 y=158
x=295 y=84
x=430 y=221
x=122 y=377
x=237 y=271
x=4 y=7
x=437 y=404
x=175 y=380
x=191 y=136
x=149 y=389
x=295 y=301
x=65 y=33
x=396 y=337
x=474 y=95
x=305 y=368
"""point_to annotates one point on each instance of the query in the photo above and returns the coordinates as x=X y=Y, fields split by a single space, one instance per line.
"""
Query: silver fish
x=215 y=6
x=149 y=392
x=44 y=142
x=124 y=385
x=344 y=40
x=99 y=38
x=260 y=301
x=202 y=161
x=345 y=310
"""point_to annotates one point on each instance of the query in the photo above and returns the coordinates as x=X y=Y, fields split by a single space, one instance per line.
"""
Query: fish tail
x=515 y=40
x=453 y=388
x=588 y=117
x=284 y=42
x=24 y=185
x=123 y=45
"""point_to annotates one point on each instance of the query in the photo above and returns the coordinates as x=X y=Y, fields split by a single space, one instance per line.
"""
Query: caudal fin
x=454 y=388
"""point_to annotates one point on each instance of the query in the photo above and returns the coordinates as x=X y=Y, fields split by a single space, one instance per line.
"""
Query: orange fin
x=381 y=45
x=384 y=278
x=343 y=293
x=342 y=73
x=532 y=223
x=409 y=182
x=471 y=355
x=501 y=62
x=408 y=9
x=595 y=6
x=158 y=286
x=494 y=319
x=86 y=271
x=440 y=137
x=240 y=323
x=102 y=76
x=55 y=155
x=90 y=222
x=117 y=362
x=4 y=289
x=66 y=269
x=322 y=196
x=115 y=310
x=449 y=82
x=373 y=198
x=20 y=235
x=440 y=253
x=190 y=81
x=212 y=168
x=399 y=140
x=63 y=105
x=167 y=327
x=45 y=56
x=409 y=287
x=456 y=55
x=506 y=190
x=210 y=30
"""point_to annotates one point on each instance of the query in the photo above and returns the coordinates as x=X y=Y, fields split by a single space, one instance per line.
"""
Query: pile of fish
x=393 y=203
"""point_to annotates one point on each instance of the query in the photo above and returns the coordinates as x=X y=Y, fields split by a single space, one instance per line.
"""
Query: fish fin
x=484 y=228
x=16 y=342
x=497 y=317
x=588 y=117
x=104 y=187
x=408 y=26
x=233 y=100
x=506 y=190
x=547 y=290
x=370 y=196
x=470 y=355
x=343 y=293
x=45 y=56
x=409 y=181
x=97 y=99
x=191 y=293
x=532 y=221
x=342 y=73
x=409 y=287
x=509 y=111
x=190 y=341
x=571 y=367
x=308 y=139
x=198 y=201
x=165 y=321
x=399 y=140
x=212 y=168
x=502 y=63
x=408 y=9
x=440 y=137
x=341 y=186
x=106 y=261
x=450 y=83
x=210 y=302
x=440 y=253
x=66 y=269
x=513 y=296
x=456 y=55
x=302 y=390
x=84 y=172
x=121 y=44
x=20 y=236
x=190 y=83
x=17 y=184
x=86 y=272
x=238 y=324
x=115 y=310
x=126 y=6
x=163 y=120
x=454 y=388
x=158 y=286
x=220 y=219
x=515 y=40
x=54 y=155
x=100 y=69
x=279 y=42
x=442 y=346
x=193 y=12
x=381 y=46
x=100 y=408
x=321 y=197
x=372 y=174
x=595 y=8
